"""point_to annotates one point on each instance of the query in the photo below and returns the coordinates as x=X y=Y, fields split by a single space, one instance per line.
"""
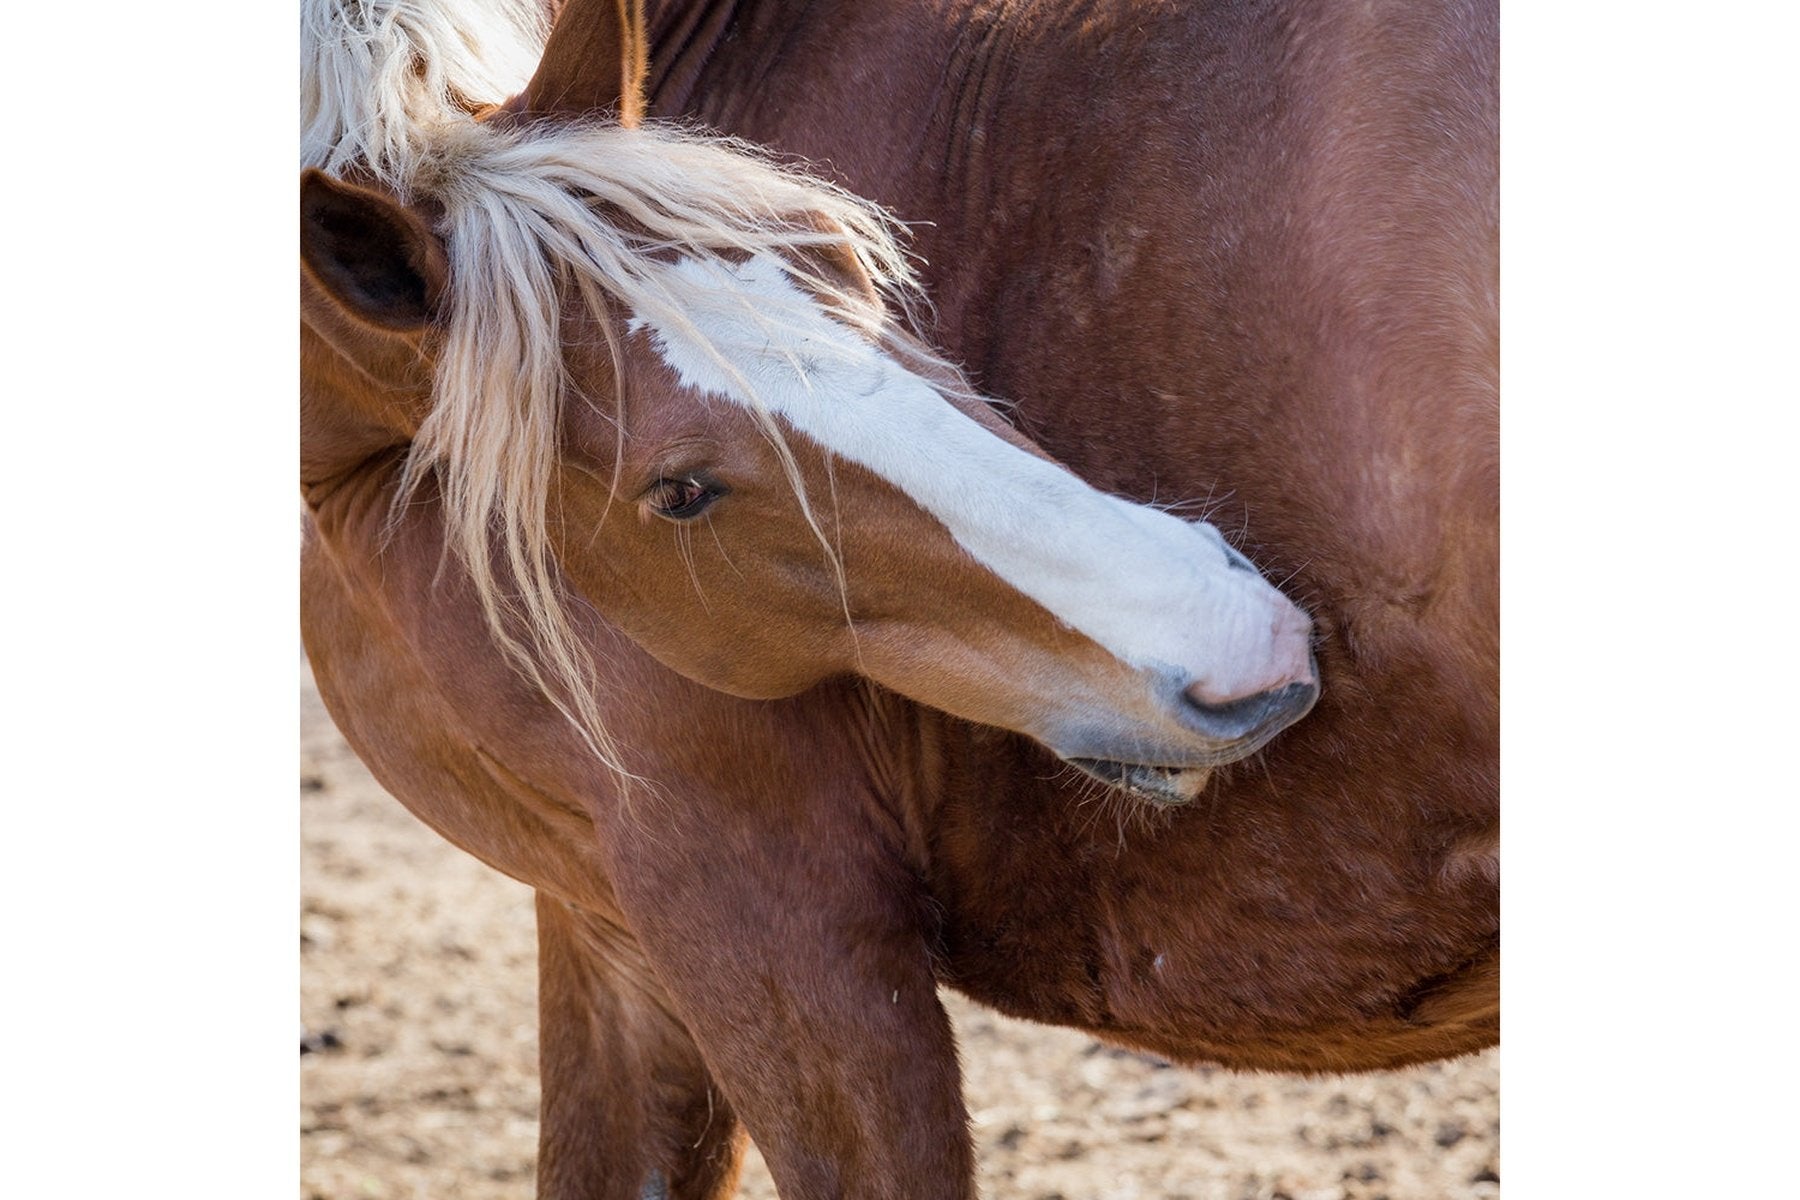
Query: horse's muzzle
x=1250 y=719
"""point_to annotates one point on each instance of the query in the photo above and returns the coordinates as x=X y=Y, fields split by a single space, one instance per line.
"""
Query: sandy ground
x=419 y=1043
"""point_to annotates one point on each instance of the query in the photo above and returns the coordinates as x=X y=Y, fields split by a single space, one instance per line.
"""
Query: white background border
x=151 y=880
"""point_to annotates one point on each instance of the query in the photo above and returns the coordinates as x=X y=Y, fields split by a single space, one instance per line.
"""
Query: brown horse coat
x=1237 y=251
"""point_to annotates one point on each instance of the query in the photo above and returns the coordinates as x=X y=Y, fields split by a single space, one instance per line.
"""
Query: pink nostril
x=1253 y=715
x=1207 y=696
x=1289 y=661
x=1218 y=699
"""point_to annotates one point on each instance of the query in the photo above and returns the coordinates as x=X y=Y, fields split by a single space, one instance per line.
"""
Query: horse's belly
x=1443 y=1017
x=1288 y=923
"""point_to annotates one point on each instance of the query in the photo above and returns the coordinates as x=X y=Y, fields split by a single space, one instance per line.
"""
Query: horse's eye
x=682 y=499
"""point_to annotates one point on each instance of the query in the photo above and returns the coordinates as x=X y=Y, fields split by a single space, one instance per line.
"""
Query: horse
x=664 y=552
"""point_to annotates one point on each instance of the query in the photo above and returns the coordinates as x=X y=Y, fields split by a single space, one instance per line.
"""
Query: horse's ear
x=375 y=257
x=594 y=61
x=837 y=263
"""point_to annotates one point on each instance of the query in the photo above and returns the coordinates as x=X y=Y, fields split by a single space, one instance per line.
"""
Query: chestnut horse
x=654 y=561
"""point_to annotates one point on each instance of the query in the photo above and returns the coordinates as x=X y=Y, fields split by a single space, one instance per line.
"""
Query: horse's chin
x=1164 y=787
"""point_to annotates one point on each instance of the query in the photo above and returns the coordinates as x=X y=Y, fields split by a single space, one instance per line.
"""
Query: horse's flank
x=1259 y=266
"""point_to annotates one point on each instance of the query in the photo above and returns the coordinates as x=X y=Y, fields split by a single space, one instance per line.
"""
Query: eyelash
x=683 y=499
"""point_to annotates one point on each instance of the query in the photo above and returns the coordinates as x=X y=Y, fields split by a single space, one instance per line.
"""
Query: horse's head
x=724 y=448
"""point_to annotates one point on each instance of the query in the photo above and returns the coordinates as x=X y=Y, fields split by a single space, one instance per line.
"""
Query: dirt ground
x=419 y=1043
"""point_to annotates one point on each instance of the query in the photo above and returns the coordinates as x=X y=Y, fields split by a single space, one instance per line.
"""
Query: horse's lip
x=1162 y=786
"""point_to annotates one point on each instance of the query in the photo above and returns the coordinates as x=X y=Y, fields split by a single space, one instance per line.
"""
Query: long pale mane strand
x=378 y=76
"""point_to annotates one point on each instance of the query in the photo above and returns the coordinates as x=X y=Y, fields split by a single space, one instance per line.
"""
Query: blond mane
x=377 y=77
x=538 y=215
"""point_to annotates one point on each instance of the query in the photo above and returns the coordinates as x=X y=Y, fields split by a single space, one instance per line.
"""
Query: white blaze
x=1156 y=591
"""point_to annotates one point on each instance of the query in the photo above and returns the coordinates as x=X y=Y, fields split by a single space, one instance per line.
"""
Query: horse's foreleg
x=798 y=960
x=629 y=1111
